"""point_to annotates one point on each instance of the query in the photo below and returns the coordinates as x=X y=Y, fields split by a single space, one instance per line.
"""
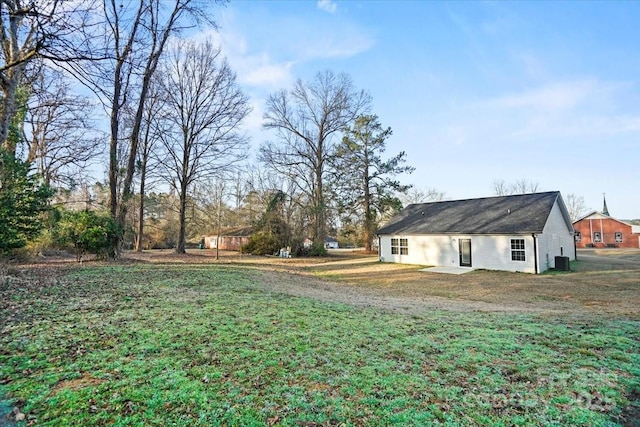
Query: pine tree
x=23 y=198
x=365 y=183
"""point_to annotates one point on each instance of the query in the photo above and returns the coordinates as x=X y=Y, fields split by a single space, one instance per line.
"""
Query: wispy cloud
x=259 y=70
x=343 y=44
x=252 y=68
x=276 y=46
x=552 y=97
x=579 y=108
x=327 y=5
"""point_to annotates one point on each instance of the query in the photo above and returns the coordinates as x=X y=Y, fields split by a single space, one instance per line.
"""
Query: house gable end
x=595 y=215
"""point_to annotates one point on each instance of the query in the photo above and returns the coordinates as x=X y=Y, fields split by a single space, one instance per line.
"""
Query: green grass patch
x=210 y=345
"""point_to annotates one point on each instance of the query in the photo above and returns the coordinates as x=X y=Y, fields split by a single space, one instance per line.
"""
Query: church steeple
x=605 y=210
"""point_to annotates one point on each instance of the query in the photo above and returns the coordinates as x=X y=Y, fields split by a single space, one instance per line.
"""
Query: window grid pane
x=517 y=256
x=517 y=250
x=399 y=246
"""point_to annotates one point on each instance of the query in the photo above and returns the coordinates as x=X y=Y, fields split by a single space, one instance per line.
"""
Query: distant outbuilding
x=230 y=239
x=331 y=243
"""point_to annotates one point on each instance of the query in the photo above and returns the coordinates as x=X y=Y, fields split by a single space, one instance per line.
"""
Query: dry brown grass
x=603 y=281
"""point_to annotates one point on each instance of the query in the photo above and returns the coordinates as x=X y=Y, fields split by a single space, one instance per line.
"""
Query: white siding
x=556 y=240
x=211 y=242
x=492 y=252
x=487 y=252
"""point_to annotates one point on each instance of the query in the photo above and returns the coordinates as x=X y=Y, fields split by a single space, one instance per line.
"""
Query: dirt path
x=603 y=283
x=322 y=290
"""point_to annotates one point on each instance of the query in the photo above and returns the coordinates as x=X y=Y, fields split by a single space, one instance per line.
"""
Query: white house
x=523 y=232
x=331 y=243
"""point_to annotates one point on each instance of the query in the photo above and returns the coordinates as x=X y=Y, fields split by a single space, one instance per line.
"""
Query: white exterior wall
x=211 y=242
x=555 y=240
x=487 y=252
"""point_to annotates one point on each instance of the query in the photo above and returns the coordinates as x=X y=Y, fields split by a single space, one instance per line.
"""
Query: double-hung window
x=399 y=246
x=517 y=250
x=618 y=236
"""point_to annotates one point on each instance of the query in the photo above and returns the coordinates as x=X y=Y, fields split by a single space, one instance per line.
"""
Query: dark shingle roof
x=522 y=213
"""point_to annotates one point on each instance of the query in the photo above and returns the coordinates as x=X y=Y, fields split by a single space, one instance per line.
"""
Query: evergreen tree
x=23 y=198
x=270 y=232
x=365 y=183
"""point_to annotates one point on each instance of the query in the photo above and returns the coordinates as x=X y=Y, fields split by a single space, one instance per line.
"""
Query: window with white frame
x=517 y=250
x=399 y=246
x=618 y=237
x=578 y=237
x=394 y=246
x=597 y=237
x=404 y=247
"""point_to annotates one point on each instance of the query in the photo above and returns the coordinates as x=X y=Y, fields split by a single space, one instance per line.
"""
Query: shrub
x=299 y=250
x=89 y=232
x=263 y=243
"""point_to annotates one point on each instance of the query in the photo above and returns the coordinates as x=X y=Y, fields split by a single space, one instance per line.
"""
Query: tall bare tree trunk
x=181 y=245
x=140 y=234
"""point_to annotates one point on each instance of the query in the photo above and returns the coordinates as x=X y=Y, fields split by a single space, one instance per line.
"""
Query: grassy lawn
x=142 y=344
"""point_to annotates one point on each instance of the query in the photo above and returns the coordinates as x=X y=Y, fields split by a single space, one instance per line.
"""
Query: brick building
x=599 y=230
x=231 y=239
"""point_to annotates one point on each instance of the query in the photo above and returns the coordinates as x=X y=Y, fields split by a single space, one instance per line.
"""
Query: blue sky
x=474 y=91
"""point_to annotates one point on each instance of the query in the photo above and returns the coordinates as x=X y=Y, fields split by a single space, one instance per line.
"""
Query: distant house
x=522 y=232
x=599 y=230
x=230 y=239
x=331 y=243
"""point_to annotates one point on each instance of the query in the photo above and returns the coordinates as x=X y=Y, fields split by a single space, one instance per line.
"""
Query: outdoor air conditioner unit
x=562 y=263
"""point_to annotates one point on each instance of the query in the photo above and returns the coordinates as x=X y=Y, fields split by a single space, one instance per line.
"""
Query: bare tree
x=306 y=120
x=151 y=130
x=133 y=35
x=421 y=195
x=32 y=30
x=500 y=187
x=203 y=110
x=60 y=138
x=521 y=186
x=575 y=206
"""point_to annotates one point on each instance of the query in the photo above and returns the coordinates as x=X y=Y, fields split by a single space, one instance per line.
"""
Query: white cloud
x=334 y=45
x=557 y=96
x=258 y=70
x=253 y=69
x=253 y=122
x=271 y=62
x=581 y=108
x=327 y=5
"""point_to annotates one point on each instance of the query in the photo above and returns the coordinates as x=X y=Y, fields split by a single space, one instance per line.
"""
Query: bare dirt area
x=605 y=281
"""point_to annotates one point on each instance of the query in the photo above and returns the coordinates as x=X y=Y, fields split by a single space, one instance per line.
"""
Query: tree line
x=176 y=154
x=175 y=115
